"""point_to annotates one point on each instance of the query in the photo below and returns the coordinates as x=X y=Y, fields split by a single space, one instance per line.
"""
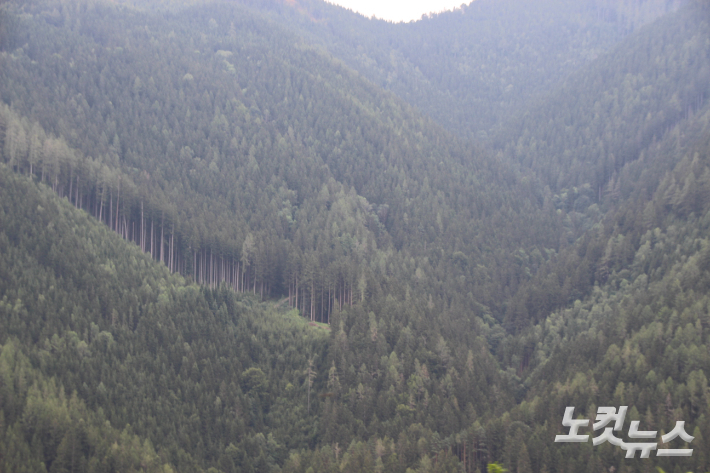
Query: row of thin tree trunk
x=207 y=268
x=305 y=298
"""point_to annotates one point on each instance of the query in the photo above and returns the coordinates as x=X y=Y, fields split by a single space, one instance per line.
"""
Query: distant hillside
x=471 y=69
x=231 y=242
x=111 y=363
x=640 y=337
x=236 y=144
x=585 y=137
x=93 y=329
x=603 y=116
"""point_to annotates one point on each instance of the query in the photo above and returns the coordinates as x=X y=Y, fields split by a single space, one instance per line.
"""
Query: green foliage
x=604 y=115
x=472 y=68
x=495 y=468
x=136 y=345
x=374 y=293
x=304 y=181
x=46 y=429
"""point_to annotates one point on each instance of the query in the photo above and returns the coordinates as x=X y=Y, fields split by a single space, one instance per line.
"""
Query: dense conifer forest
x=276 y=236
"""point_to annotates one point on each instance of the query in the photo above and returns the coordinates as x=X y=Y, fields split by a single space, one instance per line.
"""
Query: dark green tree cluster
x=639 y=338
x=196 y=373
x=450 y=300
x=206 y=378
x=602 y=118
x=42 y=428
x=587 y=188
x=472 y=68
x=286 y=175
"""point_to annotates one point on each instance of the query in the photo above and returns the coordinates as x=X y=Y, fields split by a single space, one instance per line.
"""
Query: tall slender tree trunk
x=101 y=206
x=162 y=244
x=465 y=464
x=172 y=234
x=118 y=199
x=142 y=230
x=110 y=208
x=71 y=182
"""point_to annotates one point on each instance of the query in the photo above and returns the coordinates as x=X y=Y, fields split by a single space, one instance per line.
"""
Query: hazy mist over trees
x=276 y=236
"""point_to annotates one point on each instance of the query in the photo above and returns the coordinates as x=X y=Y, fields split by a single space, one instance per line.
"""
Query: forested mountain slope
x=471 y=296
x=472 y=68
x=93 y=329
x=585 y=137
x=244 y=143
x=640 y=338
x=96 y=334
x=82 y=308
x=606 y=114
x=236 y=154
